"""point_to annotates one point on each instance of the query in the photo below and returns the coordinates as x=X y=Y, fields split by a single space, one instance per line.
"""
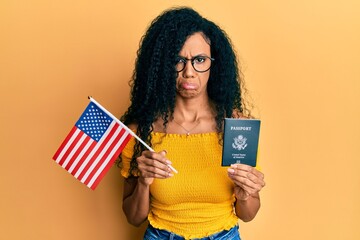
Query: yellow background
x=301 y=60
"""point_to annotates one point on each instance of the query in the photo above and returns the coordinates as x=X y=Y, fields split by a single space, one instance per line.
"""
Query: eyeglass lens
x=199 y=63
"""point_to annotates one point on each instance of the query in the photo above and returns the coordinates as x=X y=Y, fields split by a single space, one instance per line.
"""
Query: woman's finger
x=247 y=178
x=153 y=164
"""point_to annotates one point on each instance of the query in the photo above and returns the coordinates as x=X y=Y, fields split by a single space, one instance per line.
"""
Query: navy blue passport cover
x=241 y=140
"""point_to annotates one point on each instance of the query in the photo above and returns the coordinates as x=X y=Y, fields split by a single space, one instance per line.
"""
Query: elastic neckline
x=184 y=135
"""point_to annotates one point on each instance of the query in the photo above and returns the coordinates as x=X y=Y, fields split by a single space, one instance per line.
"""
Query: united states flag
x=92 y=145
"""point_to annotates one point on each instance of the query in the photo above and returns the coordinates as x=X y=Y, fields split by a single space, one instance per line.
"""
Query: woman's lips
x=188 y=86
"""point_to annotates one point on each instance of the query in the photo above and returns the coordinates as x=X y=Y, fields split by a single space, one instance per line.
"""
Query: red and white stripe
x=88 y=160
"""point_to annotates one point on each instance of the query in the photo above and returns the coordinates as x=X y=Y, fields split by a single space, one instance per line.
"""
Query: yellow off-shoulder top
x=198 y=201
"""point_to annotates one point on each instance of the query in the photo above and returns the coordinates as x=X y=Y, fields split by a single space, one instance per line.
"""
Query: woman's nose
x=189 y=70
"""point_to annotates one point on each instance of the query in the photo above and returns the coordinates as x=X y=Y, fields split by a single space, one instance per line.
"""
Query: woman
x=186 y=81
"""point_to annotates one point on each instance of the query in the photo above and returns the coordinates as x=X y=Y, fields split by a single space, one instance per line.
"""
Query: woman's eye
x=199 y=59
x=180 y=61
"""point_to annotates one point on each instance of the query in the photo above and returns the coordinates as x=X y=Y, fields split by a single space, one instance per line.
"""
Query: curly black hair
x=153 y=84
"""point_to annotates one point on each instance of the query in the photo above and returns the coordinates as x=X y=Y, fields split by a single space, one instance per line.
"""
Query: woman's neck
x=192 y=109
x=191 y=115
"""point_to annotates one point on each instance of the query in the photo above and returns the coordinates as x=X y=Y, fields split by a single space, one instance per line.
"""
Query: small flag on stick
x=93 y=144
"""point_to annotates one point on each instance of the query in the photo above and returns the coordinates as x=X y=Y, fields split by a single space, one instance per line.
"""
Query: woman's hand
x=248 y=181
x=136 y=196
x=153 y=165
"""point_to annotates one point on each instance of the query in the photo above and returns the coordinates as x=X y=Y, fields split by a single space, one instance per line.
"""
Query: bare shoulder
x=237 y=114
x=132 y=126
x=158 y=125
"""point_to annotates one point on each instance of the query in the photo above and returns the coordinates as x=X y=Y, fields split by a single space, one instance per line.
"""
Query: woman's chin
x=188 y=93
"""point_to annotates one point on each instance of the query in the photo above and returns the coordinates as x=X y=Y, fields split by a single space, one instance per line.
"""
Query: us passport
x=241 y=140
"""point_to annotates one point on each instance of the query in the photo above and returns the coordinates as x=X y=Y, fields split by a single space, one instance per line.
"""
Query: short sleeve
x=126 y=156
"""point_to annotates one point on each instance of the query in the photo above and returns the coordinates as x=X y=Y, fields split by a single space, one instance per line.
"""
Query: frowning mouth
x=188 y=86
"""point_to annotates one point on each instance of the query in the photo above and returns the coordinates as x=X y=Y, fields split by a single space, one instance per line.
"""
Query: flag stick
x=128 y=129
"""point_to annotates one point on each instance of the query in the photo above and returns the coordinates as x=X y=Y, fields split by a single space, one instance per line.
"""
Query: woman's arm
x=136 y=197
x=247 y=209
x=248 y=183
x=136 y=201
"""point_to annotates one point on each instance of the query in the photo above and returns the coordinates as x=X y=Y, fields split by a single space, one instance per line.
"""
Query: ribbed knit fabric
x=198 y=201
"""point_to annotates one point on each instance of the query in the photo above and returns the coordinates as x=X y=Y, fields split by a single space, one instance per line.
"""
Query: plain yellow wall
x=301 y=60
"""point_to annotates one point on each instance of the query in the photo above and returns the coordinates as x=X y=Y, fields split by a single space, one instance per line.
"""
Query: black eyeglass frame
x=192 y=62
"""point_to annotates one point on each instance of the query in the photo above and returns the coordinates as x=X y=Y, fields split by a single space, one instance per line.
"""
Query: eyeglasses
x=199 y=63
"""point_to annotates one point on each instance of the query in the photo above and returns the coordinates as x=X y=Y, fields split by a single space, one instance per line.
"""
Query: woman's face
x=190 y=83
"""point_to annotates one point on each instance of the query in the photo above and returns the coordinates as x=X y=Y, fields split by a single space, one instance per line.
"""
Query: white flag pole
x=128 y=129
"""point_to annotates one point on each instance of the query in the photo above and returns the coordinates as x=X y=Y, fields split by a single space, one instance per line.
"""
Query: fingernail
x=230 y=170
x=168 y=162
